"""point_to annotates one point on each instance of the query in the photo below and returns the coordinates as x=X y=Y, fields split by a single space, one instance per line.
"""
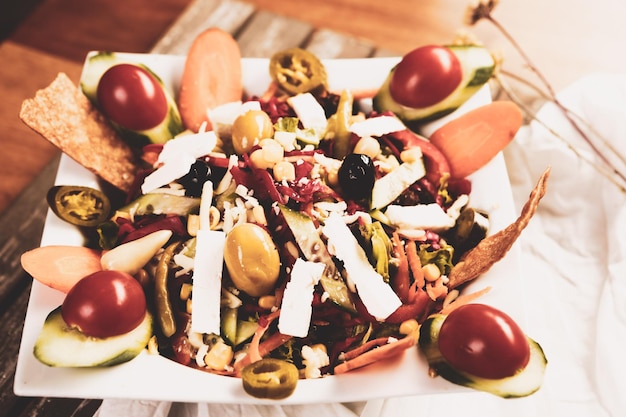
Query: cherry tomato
x=483 y=341
x=132 y=97
x=425 y=76
x=105 y=304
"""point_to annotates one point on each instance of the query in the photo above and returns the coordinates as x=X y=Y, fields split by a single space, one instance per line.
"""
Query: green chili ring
x=79 y=205
x=270 y=378
x=297 y=71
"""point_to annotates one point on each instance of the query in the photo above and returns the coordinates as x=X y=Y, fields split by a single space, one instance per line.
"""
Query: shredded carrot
x=437 y=289
x=254 y=352
x=382 y=352
x=464 y=299
x=400 y=282
x=415 y=264
x=415 y=310
x=365 y=347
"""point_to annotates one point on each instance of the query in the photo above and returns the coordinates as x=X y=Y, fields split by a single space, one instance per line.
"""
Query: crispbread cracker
x=64 y=116
x=493 y=248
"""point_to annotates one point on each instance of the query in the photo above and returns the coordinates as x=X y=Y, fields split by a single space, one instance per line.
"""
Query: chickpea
x=269 y=154
x=284 y=170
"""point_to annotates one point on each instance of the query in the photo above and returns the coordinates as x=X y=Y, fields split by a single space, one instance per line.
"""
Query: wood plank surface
x=566 y=39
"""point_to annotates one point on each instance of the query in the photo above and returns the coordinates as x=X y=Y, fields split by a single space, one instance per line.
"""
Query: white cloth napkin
x=574 y=260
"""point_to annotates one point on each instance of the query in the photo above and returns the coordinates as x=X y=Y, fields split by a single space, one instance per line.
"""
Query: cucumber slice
x=235 y=330
x=162 y=203
x=172 y=125
x=524 y=383
x=478 y=66
x=61 y=346
x=245 y=331
x=314 y=249
x=229 y=324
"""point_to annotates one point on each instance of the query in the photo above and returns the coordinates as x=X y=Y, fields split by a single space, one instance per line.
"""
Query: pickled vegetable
x=270 y=378
x=252 y=259
x=249 y=128
x=78 y=205
x=297 y=71
x=357 y=175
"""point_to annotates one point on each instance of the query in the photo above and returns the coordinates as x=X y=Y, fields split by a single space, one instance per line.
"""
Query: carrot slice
x=211 y=77
x=60 y=267
x=474 y=138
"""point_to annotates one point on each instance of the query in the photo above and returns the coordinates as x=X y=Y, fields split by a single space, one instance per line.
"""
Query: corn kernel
x=219 y=356
x=153 y=346
x=258 y=213
x=267 y=302
x=193 y=224
x=214 y=217
x=367 y=146
x=431 y=272
x=185 y=291
x=411 y=155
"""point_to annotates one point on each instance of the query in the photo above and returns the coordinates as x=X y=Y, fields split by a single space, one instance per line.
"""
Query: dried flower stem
x=603 y=170
x=482 y=10
x=567 y=110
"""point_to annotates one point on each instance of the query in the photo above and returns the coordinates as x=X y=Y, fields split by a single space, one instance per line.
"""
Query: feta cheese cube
x=378 y=297
x=296 y=308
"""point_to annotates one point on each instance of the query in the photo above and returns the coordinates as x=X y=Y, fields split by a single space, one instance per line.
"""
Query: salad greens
x=291 y=181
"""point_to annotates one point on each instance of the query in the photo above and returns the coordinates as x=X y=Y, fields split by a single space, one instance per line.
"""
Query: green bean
x=165 y=312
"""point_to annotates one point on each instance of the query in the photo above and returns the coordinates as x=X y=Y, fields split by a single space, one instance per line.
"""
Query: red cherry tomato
x=105 y=304
x=484 y=342
x=132 y=97
x=425 y=76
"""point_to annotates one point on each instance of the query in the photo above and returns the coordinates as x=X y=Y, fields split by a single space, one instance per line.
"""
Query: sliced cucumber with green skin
x=235 y=330
x=524 y=383
x=171 y=125
x=478 y=66
x=162 y=203
x=59 y=345
x=314 y=249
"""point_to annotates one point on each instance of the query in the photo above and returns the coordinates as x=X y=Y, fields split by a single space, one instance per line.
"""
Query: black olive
x=193 y=181
x=357 y=176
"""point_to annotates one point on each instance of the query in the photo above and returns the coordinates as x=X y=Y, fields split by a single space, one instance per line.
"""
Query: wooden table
x=53 y=35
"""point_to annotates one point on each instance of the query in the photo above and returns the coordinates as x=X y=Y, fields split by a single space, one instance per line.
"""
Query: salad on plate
x=301 y=232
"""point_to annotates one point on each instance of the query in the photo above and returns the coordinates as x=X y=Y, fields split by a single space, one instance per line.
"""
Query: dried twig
x=482 y=10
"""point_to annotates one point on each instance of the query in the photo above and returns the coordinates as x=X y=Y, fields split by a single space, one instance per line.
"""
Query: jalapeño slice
x=270 y=378
x=297 y=71
x=79 y=205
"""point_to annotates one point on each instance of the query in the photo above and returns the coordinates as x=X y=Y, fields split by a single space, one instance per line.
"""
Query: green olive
x=270 y=378
x=252 y=259
x=249 y=128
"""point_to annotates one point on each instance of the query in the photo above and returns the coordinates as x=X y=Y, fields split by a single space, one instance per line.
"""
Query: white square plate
x=151 y=377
